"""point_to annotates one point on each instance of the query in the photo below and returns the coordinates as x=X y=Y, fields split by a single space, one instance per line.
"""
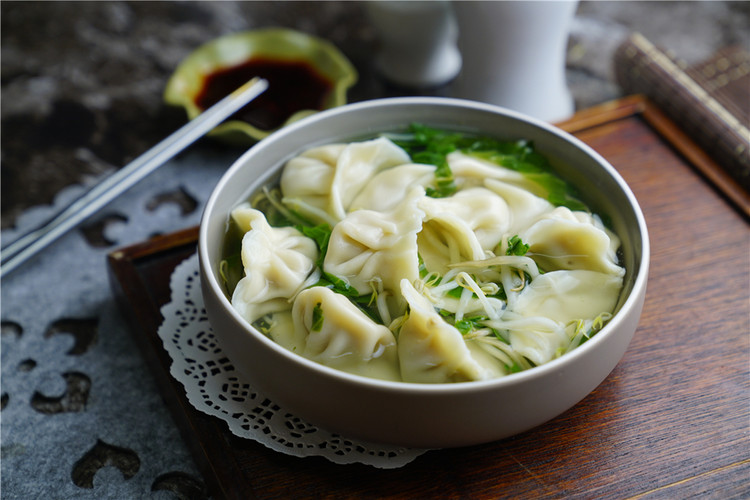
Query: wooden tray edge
x=639 y=104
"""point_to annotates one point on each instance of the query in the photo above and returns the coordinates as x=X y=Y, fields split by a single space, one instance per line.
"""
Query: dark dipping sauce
x=292 y=87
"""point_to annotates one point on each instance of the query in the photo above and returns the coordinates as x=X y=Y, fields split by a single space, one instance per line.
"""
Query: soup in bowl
x=424 y=272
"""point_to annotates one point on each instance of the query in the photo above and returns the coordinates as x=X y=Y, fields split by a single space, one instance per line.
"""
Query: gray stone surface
x=81 y=96
x=82 y=81
x=81 y=415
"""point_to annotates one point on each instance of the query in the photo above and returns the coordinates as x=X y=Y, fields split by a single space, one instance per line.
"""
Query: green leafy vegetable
x=264 y=324
x=231 y=272
x=516 y=246
x=431 y=146
x=521 y=157
x=317 y=318
x=423 y=272
x=321 y=234
x=456 y=293
x=231 y=269
x=515 y=367
x=366 y=303
x=468 y=325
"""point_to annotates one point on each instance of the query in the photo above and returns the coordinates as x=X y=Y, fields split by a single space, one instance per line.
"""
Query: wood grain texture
x=671 y=420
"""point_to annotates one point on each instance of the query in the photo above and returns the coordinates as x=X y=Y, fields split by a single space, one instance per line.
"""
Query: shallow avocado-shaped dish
x=274 y=45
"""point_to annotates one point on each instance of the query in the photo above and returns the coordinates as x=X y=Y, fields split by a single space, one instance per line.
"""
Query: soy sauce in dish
x=292 y=86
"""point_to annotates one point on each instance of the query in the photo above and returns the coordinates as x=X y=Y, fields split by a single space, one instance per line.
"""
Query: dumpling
x=277 y=262
x=432 y=351
x=389 y=187
x=330 y=330
x=280 y=327
x=367 y=246
x=536 y=338
x=321 y=183
x=523 y=206
x=478 y=210
x=537 y=319
x=306 y=182
x=565 y=296
x=356 y=166
x=462 y=227
x=470 y=171
x=563 y=239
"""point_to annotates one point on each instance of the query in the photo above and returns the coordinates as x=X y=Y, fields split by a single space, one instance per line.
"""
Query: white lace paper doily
x=216 y=388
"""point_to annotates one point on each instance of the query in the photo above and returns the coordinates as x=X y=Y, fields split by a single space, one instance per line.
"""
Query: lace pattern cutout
x=216 y=388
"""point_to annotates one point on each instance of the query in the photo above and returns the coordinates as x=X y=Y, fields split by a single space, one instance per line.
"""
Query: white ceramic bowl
x=409 y=414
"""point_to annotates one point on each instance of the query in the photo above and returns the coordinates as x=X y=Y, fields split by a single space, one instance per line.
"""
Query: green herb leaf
x=422 y=268
x=366 y=303
x=465 y=326
x=470 y=324
x=264 y=324
x=516 y=246
x=456 y=293
x=230 y=272
x=321 y=234
x=514 y=368
x=337 y=284
x=431 y=146
x=317 y=318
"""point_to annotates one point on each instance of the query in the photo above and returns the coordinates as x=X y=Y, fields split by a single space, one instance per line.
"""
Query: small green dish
x=276 y=45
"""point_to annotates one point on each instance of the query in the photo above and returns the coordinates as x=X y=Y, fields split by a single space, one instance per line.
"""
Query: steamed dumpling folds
x=369 y=249
x=461 y=227
x=469 y=171
x=306 y=182
x=537 y=338
x=358 y=164
x=433 y=351
x=322 y=183
x=566 y=296
x=536 y=323
x=390 y=187
x=277 y=262
x=523 y=206
x=330 y=330
x=563 y=239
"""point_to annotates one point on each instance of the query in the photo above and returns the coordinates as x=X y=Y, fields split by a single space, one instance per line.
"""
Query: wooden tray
x=670 y=421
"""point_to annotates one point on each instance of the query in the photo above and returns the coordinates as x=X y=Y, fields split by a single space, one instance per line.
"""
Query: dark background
x=82 y=82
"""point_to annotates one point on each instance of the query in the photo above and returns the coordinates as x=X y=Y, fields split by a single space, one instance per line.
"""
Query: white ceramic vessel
x=417 y=41
x=424 y=415
x=514 y=55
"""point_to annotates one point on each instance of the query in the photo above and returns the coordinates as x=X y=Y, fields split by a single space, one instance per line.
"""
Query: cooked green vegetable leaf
x=468 y=325
x=366 y=303
x=337 y=284
x=317 y=318
x=456 y=293
x=515 y=367
x=321 y=234
x=264 y=324
x=431 y=146
x=422 y=268
x=516 y=246
x=231 y=272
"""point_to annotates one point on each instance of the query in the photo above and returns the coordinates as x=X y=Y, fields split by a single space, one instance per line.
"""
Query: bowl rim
x=544 y=370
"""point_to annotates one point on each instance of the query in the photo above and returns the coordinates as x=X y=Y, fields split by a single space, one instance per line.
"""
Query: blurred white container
x=514 y=55
x=417 y=41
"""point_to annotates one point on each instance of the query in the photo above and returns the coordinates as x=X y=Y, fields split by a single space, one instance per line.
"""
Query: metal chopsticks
x=112 y=186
